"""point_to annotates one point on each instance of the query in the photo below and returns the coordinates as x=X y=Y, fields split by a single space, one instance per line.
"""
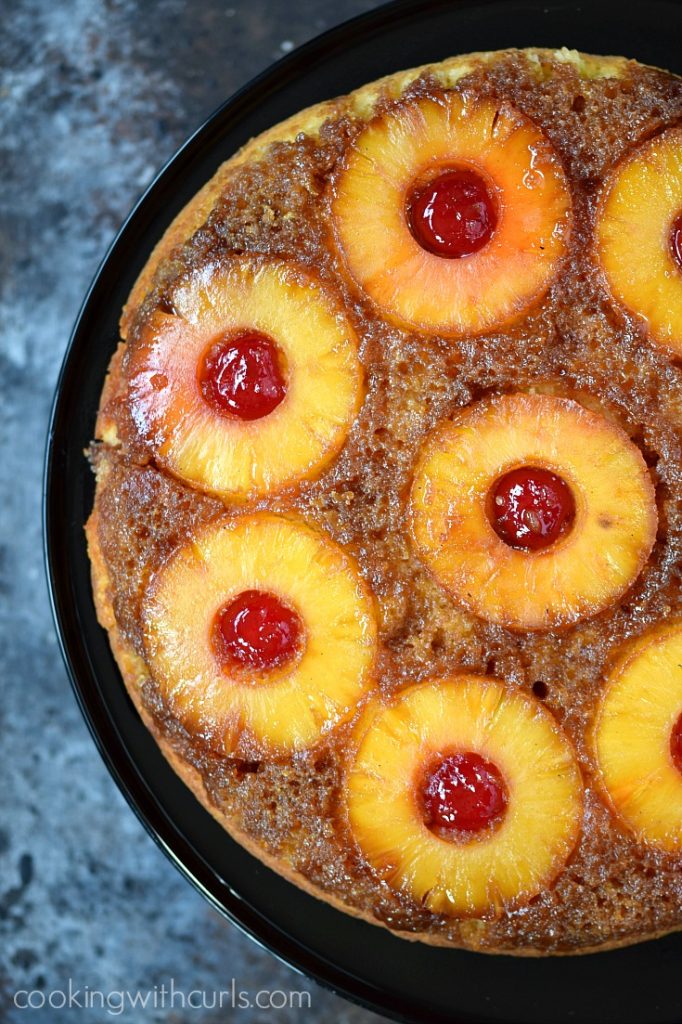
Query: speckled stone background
x=94 y=96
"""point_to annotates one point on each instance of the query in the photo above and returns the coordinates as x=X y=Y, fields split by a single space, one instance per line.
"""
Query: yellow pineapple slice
x=639 y=235
x=501 y=558
x=452 y=213
x=251 y=384
x=515 y=779
x=638 y=736
x=260 y=634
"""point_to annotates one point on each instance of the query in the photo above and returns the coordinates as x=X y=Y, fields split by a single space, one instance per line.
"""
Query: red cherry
x=256 y=630
x=241 y=376
x=453 y=215
x=463 y=792
x=676 y=240
x=676 y=744
x=530 y=508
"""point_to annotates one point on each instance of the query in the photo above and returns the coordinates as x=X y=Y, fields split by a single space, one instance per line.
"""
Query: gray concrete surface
x=94 y=96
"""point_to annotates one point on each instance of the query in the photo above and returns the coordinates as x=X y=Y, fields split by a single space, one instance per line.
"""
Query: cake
x=387 y=531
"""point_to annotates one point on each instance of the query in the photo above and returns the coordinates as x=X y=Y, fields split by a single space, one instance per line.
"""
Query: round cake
x=387 y=533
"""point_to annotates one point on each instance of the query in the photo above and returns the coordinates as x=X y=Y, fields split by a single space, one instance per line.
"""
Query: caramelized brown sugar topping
x=575 y=342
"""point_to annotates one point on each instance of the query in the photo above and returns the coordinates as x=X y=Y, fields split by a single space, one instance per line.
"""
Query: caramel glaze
x=576 y=343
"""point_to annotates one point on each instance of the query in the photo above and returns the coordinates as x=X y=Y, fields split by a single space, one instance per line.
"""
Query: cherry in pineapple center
x=453 y=215
x=462 y=792
x=531 y=508
x=256 y=630
x=241 y=376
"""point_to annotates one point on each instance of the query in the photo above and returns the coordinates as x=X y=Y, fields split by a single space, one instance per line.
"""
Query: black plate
x=406 y=980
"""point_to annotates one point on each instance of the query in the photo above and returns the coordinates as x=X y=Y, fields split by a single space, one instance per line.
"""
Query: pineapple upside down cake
x=387 y=534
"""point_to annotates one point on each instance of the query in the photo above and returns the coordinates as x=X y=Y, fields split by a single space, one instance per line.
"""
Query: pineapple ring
x=232 y=458
x=637 y=211
x=291 y=707
x=491 y=869
x=632 y=736
x=580 y=574
x=417 y=288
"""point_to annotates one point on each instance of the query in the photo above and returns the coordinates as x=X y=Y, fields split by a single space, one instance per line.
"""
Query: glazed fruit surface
x=286 y=694
x=642 y=199
x=510 y=751
x=414 y=169
x=467 y=472
x=247 y=380
x=575 y=343
x=638 y=736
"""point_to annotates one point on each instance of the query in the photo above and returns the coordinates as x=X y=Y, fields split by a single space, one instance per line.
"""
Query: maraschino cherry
x=453 y=215
x=530 y=508
x=463 y=792
x=241 y=376
x=256 y=630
